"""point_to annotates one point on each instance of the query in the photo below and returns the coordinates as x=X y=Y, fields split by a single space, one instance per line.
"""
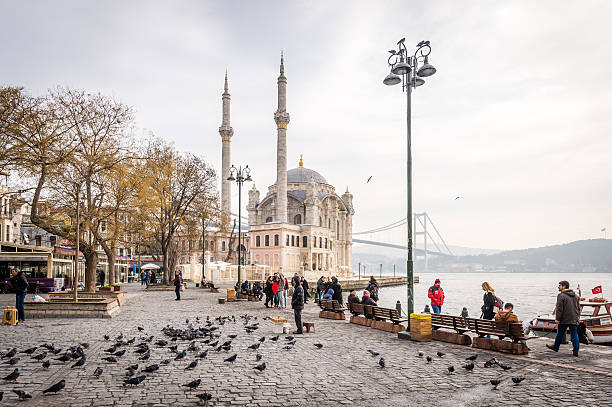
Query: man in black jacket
x=337 y=290
x=20 y=285
x=567 y=314
x=297 y=303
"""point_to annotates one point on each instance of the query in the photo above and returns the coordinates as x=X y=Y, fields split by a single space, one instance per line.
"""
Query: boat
x=594 y=313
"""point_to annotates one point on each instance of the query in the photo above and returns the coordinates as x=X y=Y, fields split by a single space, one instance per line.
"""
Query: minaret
x=226 y=133
x=281 y=117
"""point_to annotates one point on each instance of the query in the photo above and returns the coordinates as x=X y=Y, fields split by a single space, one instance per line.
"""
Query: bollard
x=464 y=312
x=427 y=310
x=398 y=307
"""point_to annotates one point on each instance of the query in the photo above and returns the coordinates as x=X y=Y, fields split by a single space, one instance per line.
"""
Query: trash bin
x=420 y=327
x=231 y=295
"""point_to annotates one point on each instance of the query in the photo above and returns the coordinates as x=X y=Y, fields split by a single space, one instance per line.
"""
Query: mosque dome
x=303 y=175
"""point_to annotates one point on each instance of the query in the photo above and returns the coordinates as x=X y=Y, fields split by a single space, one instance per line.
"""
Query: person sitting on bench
x=507 y=315
x=257 y=292
x=366 y=300
x=244 y=288
x=329 y=294
x=352 y=298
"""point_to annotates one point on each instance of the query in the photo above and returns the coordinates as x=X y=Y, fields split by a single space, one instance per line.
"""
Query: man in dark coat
x=373 y=288
x=305 y=288
x=337 y=290
x=567 y=314
x=320 y=287
x=178 y=282
x=102 y=278
x=297 y=303
x=352 y=298
x=20 y=286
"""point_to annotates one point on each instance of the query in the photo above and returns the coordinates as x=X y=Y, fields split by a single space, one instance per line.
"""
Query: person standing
x=304 y=284
x=436 y=294
x=567 y=314
x=320 y=287
x=286 y=291
x=489 y=301
x=268 y=291
x=281 y=290
x=297 y=303
x=178 y=282
x=275 y=290
x=337 y=290
x=373 y=288
x=20 y=285
x=102 y=278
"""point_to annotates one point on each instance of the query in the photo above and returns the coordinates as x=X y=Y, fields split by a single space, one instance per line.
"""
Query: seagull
x=457 y=198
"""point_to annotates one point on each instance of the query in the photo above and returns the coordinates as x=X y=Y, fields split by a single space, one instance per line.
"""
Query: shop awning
x=24 y=257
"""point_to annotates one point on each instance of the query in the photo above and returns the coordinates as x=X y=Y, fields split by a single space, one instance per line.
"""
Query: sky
x=516 y=121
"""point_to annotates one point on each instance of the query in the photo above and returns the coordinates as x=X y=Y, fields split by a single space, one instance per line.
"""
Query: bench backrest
x=449 y=321
x=326 y=304
x=386 y=313
x=368 y=311
x=356 y=308
x=516 y=331
x=488 y=326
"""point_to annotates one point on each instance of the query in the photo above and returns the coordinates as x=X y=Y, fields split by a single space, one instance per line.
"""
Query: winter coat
x=297 y=299
x=275 y=287
x=506 y=316
x=256 y=288
x=354 y=299
x=19 y=283
x=178 y=281
x=567 y=310
x=373 y=289
x=321 y=285
x=436 y=294
x=268 y=288
x=337 y=291
x=329 y=295
x=488 y=300
x=368 y=301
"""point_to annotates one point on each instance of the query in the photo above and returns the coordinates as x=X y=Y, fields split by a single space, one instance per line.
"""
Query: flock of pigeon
x=192 y=342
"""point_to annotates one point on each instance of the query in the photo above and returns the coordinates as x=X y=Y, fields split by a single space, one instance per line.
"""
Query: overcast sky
x=517 y=120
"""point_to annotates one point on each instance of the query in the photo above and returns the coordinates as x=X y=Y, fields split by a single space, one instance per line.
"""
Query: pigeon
x=289 y=338
x=231 y=358
x=46 y=364
x=469 y=366
x=255 y=346
x=119 y=353
x=517 y=380
x=146 y=356
x=1 y=395
x=490 y=363
x=205 y=397
x=106 y=337
x=180 y=355
x=233 y=336
x=192 y=365
x=133 y=367
x=40 y=356
x=369 y=179
x=262 y=339
x=374 y=354
x=227 y=348
x=381 y=363
x=291 y=343
x=110 y=359
x=421 y=353
x=495 y=383
x=451 y=369
x=203 y=354
x=30 y=350
x=472 y=358
x=440 y=354
x=505 y=367
x=151 y=368
x=140 y=328
x=98 y=371
x=13 y=361
x=79 y=362
x=85 y=345
x=56 y=387
x=193 y=384
x=261 y=367
x=12 y=377
x=275 y=338
x=166 y=361
x=258 y=357
x=10 y=353
x=318 y=345
x=214 y=344
x=112 y=349
x=22 y=394
x=130 y=372
x=429 y=359
x=133 y=381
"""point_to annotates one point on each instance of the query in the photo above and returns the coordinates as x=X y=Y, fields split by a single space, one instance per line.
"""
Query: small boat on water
x=595 y=313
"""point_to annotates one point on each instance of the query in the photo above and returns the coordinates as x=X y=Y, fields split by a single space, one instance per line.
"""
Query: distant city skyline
x=516 y=120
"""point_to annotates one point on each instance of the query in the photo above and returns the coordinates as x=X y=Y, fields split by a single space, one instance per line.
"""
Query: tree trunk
x=165 y=267
x=110 y=260
x=91 y=261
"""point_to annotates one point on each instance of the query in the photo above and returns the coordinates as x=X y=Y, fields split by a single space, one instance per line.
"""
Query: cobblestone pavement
x=342 y=372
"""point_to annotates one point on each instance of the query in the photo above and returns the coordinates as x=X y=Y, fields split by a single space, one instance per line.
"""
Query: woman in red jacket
x=436 y=293
x=275 y=290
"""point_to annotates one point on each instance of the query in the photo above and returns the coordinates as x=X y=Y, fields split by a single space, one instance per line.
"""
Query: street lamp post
x=76 y=252
x=240 y=175
x=410 y=71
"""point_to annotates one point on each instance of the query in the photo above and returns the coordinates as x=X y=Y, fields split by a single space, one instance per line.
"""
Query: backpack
x=498 y=302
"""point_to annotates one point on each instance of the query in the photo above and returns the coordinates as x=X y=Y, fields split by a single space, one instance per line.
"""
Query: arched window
x=314 y=241
x=320 y=242
x=292 y=240
x=269 y=219
x=223 y=246
x=287 y=244
x=276 y=240
x=257 y=241
x=267 y=240
x=297 y=219
x=326 y=243
x=304 y=241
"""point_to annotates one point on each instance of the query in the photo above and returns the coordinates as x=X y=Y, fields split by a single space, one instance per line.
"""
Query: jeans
x=282 y=300
x=298 y=319
x=19 y=299
x=276 y=299
x=319 y=294
x=177 y=290
x=561 y=329
x=436 y=308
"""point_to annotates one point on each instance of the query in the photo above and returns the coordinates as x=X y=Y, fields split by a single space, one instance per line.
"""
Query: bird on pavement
x=517 y=380
x=180 y=355
x=110 y=359
x=10 y=353
x=98 y=371
x=231 y=358
x=22 y=395
x=451 y=369
x=440 y=354
x=192 y=365
x=151 y=368
x=262 y=339
x=261 y=367
x=12 y=377
x=490 y=363
x=258 y=357
x=472 y=358
x=133 y=367
x=429 y=359
x=381 y=363
x=140 y=328
x=30 y=350
x=421 y=353
x=119 y=353
x=79 y=362
x=469 y=366
x=274 y=338
x=193 y=384
x=40 y=356
x=13 y=361
x=205 y=397
x=233 y=336
x=56 y=387
x=106 y=337
x=318 y=345
x=203 y=354
x=146 y=356
x=505 y=367
x=289 y=338
x=374 y=354
x=495 y=383
x=133 y=381
x=46 y=364
x=1 y=395
x=255 y=346
x=166 y=361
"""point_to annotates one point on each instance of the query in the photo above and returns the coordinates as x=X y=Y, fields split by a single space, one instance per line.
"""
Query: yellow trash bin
x=420 y=327
x=231 y=295
x=10 y=316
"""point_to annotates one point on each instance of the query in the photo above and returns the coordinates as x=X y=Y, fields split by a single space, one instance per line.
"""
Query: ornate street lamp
x=240 y=175
x=410 y=71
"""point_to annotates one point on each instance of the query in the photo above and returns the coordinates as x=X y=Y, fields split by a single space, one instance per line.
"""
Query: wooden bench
x=358 y=314
x=355 y=308
x=387 y=319
x=456 y=323
x=513 y=331
x=483 y=327
x=331 y=309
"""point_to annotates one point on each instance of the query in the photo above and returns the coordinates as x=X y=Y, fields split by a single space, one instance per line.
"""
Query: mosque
x=301 y=225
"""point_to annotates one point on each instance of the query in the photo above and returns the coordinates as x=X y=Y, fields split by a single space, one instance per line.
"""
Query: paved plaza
x=342 y=372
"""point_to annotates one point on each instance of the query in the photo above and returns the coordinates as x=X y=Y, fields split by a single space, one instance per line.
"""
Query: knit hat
x=437 y=281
